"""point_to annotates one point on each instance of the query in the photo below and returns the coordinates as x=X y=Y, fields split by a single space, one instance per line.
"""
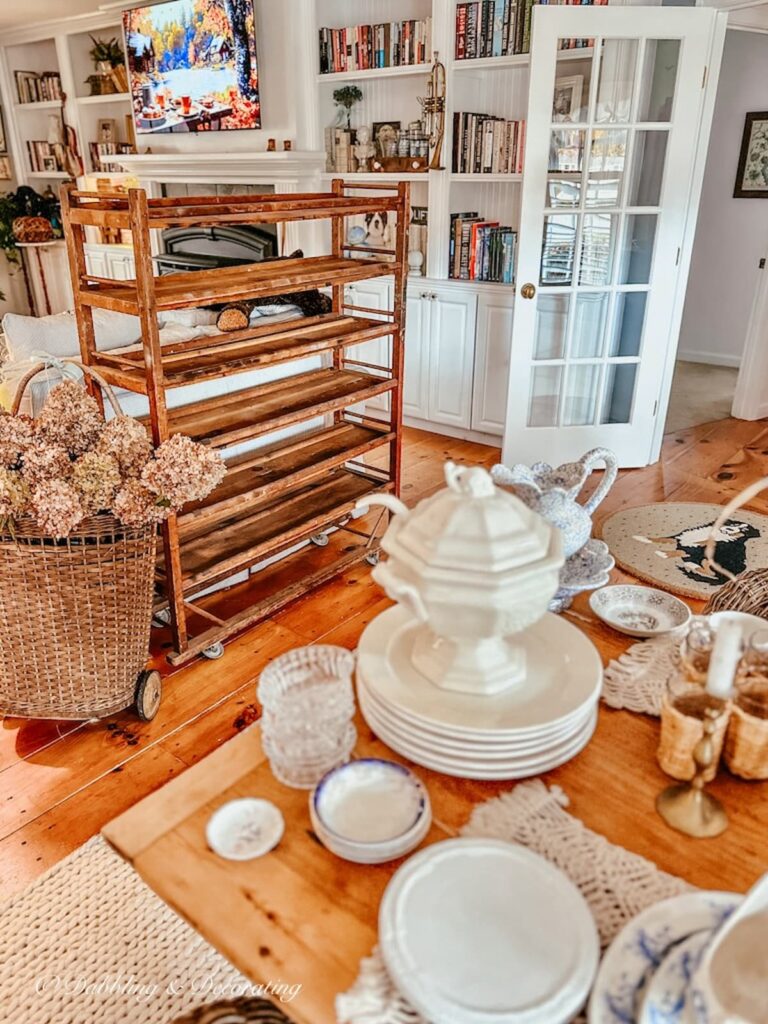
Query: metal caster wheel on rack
x=214 y=652
x=373 y=557
x=162 y=618
x=149 y=693
x=320 y=539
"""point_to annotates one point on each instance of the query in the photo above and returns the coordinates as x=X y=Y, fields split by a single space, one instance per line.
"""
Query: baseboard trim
x=709 y=358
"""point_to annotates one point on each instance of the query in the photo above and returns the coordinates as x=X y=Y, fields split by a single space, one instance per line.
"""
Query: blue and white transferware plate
x=667 y=995
x=640 y=947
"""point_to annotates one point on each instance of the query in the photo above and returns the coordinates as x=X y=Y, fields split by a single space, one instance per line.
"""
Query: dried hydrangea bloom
x=128 y=442
x=183 y=471
x=43 y=461
x=16 y=435
x=71 y=418
x=56 y=507
x=135 y=505
x=14 y=495
x=96 y=477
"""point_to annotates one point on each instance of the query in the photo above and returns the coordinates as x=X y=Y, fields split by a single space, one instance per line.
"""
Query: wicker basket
x=75 y=613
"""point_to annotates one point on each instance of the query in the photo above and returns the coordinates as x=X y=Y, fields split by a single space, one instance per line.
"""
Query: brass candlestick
x=685 y=806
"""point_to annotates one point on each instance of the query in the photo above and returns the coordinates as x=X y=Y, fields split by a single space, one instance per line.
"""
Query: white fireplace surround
x=284 y=169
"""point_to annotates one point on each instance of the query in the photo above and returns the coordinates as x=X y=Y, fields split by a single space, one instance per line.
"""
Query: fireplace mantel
x=280 y=168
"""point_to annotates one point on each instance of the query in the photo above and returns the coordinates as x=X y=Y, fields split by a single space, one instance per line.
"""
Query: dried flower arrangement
x=68 y=464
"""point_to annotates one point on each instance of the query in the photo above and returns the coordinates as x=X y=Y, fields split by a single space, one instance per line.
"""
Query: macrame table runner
x=616 y=883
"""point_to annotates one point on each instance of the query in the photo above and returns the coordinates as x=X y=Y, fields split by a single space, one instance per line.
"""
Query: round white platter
x=666 y=999
x=564 y=675
x=480 y=931
x=639 y=611
x=489 y=746
x=637 y=951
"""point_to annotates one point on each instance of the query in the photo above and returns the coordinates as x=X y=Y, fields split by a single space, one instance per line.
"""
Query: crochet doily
x=638 y=678
x=616 y=883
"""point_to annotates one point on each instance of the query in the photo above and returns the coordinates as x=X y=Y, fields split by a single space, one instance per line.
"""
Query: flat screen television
x=192 y=66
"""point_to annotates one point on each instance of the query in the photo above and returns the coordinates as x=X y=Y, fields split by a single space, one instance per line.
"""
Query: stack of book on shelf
x=485 y=144
x=498 y=28
x=339 y=158
x=102 y=151
x=47 y=156
x=38 y=87
x=481 y=250
x=387 y=45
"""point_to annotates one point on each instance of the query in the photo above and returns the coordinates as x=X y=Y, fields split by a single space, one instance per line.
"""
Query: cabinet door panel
x=451 y=356
x=494 y=338
x=415 y=394
x=96 y=263
x=374 y=295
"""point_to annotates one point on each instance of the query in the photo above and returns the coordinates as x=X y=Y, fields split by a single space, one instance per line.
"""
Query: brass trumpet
x=433 y=112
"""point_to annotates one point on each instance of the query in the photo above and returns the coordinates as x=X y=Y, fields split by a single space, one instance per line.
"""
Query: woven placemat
x=616 y=883
x=664 y=544
x=89 y=943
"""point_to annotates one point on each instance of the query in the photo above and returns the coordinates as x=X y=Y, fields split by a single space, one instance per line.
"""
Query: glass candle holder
x=696 y=650
x=308 y=705
x=753 y=668
x=685 y=708
x=746 y=745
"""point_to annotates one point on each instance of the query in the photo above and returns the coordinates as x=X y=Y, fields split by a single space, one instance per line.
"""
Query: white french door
x=611 y=187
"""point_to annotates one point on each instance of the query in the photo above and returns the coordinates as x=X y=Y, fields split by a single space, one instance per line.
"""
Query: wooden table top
x=302 y=916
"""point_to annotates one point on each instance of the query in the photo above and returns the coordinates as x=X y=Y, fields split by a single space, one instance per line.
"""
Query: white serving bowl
x=639 y=611
x=370 y=811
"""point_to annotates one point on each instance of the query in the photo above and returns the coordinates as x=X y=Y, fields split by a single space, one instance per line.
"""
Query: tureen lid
x=471 y=524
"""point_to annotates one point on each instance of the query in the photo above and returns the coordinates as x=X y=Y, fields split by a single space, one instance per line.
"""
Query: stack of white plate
x=480 y=931
x=529 y=728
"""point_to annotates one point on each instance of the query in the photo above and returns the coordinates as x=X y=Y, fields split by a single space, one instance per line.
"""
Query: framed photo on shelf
x=49 y=163
x=566 y=105
x=5 y=167
x=385 y=135
x=752 y=173
x=106 y=129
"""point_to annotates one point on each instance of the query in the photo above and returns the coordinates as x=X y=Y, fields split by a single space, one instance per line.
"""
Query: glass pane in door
x=616 y=83
x=581 y=392
x=545 y=396
x=589 y=324
x=598 y=237
x=647 y=168
x=558 y=249
x=658 y=79
x=637 y=248
x=551 y=326
x=619 y=393
x=605 y=170
x=628 y=321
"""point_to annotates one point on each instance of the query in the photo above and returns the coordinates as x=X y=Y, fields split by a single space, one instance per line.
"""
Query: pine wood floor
x=61 y=782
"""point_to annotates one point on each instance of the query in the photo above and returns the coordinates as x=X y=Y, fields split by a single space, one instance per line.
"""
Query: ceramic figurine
x=552 y=492
x=476 y=566
x=364 y=149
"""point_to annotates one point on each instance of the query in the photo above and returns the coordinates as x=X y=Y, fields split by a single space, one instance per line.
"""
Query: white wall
x=732 y=234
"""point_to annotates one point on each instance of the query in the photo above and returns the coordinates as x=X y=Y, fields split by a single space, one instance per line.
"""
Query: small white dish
x=244 y=829
x=370 y=810
x=634 y=955
x=481 y=931
x=639 y=611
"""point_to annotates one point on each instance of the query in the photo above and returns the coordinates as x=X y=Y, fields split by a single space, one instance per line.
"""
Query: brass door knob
x=528 y=290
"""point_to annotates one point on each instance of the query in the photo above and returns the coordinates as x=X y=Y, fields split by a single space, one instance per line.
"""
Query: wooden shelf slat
x=239 y=416
x=279 y=467
x=223 y=355
x=264 y=527
x=231 y=284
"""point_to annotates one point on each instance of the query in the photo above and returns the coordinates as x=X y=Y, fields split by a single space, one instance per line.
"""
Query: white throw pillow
x=57 y=334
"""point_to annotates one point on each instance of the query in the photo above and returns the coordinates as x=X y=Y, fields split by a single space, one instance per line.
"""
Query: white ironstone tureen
x=475 y=566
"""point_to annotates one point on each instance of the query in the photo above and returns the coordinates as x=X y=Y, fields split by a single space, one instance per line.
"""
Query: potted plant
x=107 y=55
x=346 y=98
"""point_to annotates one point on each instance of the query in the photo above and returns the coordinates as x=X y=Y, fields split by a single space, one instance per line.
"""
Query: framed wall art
x=752 y=174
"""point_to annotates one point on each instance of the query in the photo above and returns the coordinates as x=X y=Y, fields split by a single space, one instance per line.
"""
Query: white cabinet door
x=452 y=314
x=96 y=263
x=416 y=372
x=120 y=266
x=494 y=339
x=609 y=201
x=373 y=295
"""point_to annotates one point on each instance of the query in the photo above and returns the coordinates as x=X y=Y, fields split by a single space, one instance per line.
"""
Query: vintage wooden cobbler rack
x=292 y=489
